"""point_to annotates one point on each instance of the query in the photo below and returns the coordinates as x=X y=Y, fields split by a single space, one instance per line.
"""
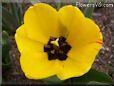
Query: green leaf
x=96 y=83
x=6 y=63
x=53 y=80
x=58 y=4
x=74 y=2
x=93 y=75
x=5 y=50
x=5 y=27
x=5 y=38
x=34 y=1
x=20 y=12
x=14 y=11
x=5 y=44
x=88 y=11
x=8 y=20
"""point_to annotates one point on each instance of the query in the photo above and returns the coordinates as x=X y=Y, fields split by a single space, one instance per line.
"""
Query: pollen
x=57 y=48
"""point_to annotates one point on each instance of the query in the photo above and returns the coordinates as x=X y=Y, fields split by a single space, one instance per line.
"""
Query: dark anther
x=61 y=40
x=65 y=48
x=57 y=52
x=51 y=56
x=47 y=48
x=62 y=56
x=52 y=39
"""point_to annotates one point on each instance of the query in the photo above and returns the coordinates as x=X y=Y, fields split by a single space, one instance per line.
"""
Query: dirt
x=104 y=62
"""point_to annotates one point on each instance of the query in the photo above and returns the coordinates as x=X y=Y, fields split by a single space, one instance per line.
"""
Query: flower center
x=57 y=48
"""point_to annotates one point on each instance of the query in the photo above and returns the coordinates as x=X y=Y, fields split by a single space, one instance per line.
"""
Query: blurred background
x=12 y=18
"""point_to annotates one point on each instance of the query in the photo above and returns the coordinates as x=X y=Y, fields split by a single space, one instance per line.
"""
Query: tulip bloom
x=63 y=43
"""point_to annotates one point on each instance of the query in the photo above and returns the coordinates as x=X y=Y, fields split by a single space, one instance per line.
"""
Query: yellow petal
x=81 y=29
x=37 y=65
x=88 y=32
x=79 y=61
x=26 y=44
x=41 y=20
x=68 y=14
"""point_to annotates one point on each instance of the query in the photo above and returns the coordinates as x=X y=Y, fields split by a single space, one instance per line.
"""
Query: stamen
x=57 y=48
x=47 y=48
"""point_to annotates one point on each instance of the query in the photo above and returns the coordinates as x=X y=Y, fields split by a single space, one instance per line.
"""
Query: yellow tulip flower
x=63 y=43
